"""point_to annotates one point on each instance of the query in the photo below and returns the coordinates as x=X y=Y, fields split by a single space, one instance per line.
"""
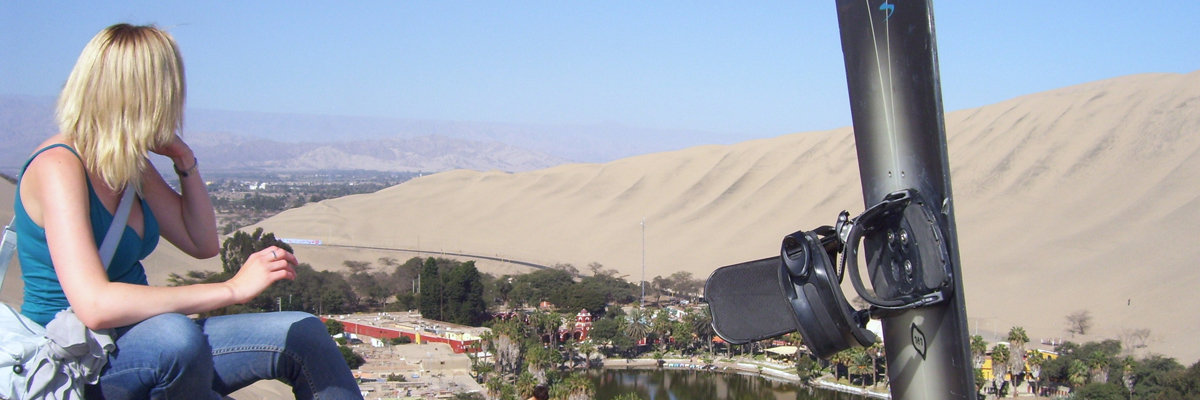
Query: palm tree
x=587 y=348
x=637 y=327
x=685 y=336
x=702 y=325
x=860 y=363
x=795 y=339
x=1098 y=363
x=574 y=387
x=840 y=359
x=875 y=351
x=1035 y=361
x=539 y=359
x=661 y=325
x=1017 y=338
x=506 y=352
x=547 y=324
x=978 y=349
x=569 y=345
x=1000 y=357
x=1077 y=373
x=494 y=387
x=525 y=384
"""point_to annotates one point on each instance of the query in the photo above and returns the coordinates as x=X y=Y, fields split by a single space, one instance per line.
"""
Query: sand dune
x=1083 y=198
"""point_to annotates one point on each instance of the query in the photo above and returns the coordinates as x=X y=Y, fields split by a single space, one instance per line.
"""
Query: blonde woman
x=124 y=100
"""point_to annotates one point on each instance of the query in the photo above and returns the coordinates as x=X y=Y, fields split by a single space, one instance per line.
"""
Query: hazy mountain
x=240 y=141
x=577 y=143
x=425 y=153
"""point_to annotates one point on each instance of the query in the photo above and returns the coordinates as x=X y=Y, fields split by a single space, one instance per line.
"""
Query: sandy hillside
x=1083 y=198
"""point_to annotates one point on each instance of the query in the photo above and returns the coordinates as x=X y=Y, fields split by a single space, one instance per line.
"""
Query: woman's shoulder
x=54 y=153
x=53 y=161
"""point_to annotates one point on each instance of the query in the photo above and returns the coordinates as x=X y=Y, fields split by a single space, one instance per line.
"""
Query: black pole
x=899 y=133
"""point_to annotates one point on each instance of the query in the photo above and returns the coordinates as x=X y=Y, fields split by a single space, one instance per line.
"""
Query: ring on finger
x=274 y=256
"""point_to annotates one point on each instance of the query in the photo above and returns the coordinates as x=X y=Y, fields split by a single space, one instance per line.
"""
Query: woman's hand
x=260 y=271
x=177 y=150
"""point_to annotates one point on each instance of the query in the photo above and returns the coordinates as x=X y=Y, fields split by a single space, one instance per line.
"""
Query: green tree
x=463 y=295
x=1000 y=358
x=587 y=348
x=539 y=360
x=494 y=387
x=661 y=325
x=701 y=321
x=321 y=292
x=861 y=364
x=335 y=328
x=841 y=360
x=430 y=299
x=1098 y=362
x=352 y=359
x=546 y=284
x=1077 y=373
x=237 y=248
x=525 y=384
x=1035 y=362
x=1017 y=338
x=978 y=349
x=637 y=326
x=807 y=367
x=875 y=353
x=1099 y=391
x=573 y=387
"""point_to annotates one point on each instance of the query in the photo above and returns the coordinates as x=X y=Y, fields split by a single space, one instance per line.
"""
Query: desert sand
x=1081 y=198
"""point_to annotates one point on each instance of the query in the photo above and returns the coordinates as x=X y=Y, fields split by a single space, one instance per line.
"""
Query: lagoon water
x=668 y=384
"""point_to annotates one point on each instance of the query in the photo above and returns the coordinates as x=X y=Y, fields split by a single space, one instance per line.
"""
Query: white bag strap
x=108 y=246
x=8 y=246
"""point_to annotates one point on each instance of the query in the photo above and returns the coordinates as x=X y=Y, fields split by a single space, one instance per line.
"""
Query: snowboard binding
x=801 y=289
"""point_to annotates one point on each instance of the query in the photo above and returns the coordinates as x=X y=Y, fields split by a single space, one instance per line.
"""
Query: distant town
x=245 y=197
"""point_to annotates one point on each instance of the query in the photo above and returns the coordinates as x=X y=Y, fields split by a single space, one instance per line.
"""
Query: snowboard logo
x=918 y=340
x=888 y=8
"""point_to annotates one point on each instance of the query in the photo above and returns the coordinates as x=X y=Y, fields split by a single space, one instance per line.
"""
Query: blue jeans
x=173 y=357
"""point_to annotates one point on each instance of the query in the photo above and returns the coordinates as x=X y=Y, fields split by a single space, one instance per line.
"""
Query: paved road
x=445 y=253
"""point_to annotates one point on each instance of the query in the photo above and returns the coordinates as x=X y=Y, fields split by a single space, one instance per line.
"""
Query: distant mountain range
x=275 y=141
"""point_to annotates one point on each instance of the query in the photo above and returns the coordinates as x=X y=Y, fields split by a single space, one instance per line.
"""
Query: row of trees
x=1093 y=370
x=441 y=289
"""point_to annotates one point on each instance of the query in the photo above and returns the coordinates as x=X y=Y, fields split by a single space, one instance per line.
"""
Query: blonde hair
x=124 y=97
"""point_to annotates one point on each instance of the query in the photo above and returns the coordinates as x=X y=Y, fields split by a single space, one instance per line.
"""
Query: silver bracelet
x=189 y=171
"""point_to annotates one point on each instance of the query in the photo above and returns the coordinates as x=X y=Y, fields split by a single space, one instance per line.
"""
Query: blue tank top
x=44 y=296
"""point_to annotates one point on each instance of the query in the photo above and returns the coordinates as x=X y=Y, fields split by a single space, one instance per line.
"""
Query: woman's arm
x=186 y=219
x=55 y=186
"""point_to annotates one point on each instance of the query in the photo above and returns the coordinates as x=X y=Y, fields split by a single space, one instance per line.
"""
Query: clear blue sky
x=755 y=69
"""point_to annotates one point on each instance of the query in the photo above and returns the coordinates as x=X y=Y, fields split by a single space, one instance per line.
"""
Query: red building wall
x=458 y=346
